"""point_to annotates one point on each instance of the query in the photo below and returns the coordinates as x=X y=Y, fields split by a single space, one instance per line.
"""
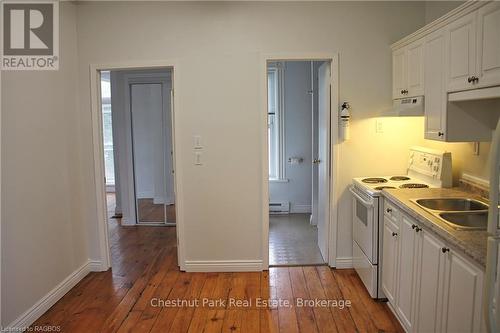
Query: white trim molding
x=345 y=262
x=47 y=301
x=223 y=265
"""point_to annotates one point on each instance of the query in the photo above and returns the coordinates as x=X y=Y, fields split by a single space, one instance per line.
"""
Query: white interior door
x=324 y=157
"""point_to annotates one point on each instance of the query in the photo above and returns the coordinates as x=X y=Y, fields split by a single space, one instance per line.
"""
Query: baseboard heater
x=279 y=207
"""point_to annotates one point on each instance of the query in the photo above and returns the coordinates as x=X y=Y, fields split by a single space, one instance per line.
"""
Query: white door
x=435 y=100
x=389 y=260
x=428 y=288
x=324 y=158
x=406 y=269
x=415 y=58
x=461 y=52
x=462 y=295
x=399 y=79
x=488 y=25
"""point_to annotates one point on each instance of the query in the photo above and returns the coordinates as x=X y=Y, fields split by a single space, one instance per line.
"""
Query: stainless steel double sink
x=459 y=213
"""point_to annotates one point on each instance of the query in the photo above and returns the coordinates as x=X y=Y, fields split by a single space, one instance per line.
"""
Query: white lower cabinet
x=429 y=282
x=462 y=296
x=430 y=287
x=389 y=254
x=406 y=268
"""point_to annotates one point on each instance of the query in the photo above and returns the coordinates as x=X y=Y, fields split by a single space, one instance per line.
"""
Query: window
x=275 y=121
x=107 y=126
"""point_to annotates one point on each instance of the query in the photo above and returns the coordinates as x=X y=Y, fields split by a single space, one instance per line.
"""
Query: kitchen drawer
x=391 y=211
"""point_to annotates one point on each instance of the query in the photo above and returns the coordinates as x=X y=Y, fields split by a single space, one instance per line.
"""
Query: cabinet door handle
x=394 y=234
x=445 y=249
x=416 y=228
x=469 y=79
x=388 y=210
x=475 y=79
x=402 y=92
x=440 y=133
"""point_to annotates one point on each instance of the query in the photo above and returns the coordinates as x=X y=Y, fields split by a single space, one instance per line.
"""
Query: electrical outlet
x=379 y=126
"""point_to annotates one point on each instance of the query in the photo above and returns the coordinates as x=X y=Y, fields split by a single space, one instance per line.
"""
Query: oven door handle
x=367 y=204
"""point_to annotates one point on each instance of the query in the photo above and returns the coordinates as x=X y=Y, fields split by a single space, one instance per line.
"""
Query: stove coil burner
x=374 y=180
x=414 y=185
x=380 y=188
x=399 y=178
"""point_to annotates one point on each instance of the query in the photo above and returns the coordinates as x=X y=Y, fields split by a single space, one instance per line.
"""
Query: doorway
x=137 y=135
x=299 y=146
x=134 y=170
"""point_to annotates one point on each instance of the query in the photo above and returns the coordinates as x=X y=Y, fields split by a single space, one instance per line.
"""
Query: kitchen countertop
x=471 y=242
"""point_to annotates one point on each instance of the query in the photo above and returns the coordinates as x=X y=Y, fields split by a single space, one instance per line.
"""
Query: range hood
x=475 y=94
x=410 y=106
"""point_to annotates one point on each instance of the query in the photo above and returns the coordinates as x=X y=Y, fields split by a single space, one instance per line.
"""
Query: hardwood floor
x=145 y=268
x=155 y=213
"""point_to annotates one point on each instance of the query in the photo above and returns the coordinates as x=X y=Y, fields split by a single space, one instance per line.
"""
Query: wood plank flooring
x=145 y=267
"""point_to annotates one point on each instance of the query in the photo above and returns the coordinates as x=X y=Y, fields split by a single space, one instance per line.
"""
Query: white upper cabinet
x=488 y=42
x=408 y=71
x=415 y=68
x=461 y=50
x=399 y=80
x=435 y=94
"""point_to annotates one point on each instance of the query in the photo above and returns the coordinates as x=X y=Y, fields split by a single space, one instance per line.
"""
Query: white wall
x=219 y=81
x=44 y=235
x=297 y=139
x=436 y=9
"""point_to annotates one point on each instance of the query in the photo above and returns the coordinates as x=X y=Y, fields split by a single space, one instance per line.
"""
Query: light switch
x=197 y=158
x=197 y=142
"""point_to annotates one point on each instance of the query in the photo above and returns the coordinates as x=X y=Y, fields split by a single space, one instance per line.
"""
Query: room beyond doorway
x=137 y=140
x=298 y=114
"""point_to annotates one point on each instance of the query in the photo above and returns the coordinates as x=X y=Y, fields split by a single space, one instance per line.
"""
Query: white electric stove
x=427 y=168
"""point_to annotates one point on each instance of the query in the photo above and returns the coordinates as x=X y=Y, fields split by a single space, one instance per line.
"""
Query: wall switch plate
x=197 y=142
x=379 y=126
x=197 y=158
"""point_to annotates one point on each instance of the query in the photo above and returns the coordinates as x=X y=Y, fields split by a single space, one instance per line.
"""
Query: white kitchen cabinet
x=389 y=257
x=408 y=71
x=488 y=44
x=415 y=68
x=431 y=287
x=435 y=94
x=430 y=270
x=461 y=53
x=399 y=72
x=462 y=306
x=406 y=271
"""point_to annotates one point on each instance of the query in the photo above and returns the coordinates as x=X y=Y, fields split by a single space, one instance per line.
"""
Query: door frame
x=334 y=149
x=98 y=154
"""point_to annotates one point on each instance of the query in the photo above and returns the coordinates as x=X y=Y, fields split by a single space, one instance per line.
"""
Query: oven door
x=364 y=219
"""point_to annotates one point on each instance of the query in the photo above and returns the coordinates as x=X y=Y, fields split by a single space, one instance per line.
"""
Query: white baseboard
x=345 y=262
x=96 y=266
x=295 y=208
x=47 y=301
x=223 y=266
